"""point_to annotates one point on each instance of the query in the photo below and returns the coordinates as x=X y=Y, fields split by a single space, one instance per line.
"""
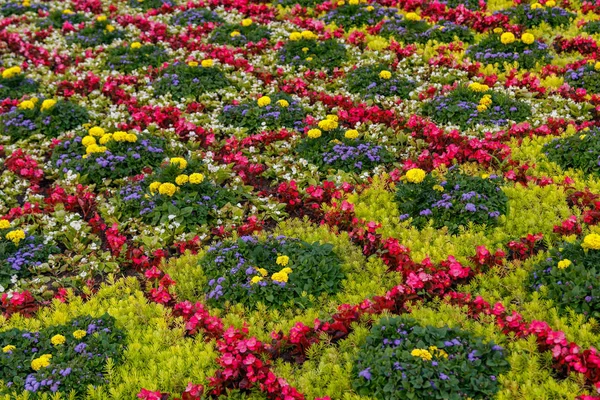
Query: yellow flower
x=308 y=35
x=58 y=340
x=41 y=362
x=68 y=12
x=96 y=131
x=4 y=224
x=8 y=349
x=411 y=16
x=94 y=148
x=283 y=103
x=16 y=236
x=485 y=176
x=328 y=124
x=256 y=279
x=208 y=63
x=10 y=72
x=581 y=137
x=136 y=45
x=422 y=353
x=481 y=107
x=247 y=22
x=262 y=271
x=592 y=241
x=79 y=334
x=309 y=58
x=283 y=260
x=438 y=188
x=182 y=179
x=341 y=3
x=196 y=178
x=179 y=161
x=235 y=33
x=597 y=66
x=26 y=105
x=498 y=30
x=119 y=136
x=88 y=140
x=478 y=87
x=353 y=2
x=105 y=138
x=154 y=186
x=385 y=74
x=101 y=18
x=280 y=277
x=193 y=63
x=294 y=36
x=507 y=38
x=562 y=264
x=305 y=49
x=370 y=8
x=131 y=138
x=314 y=133
x=110 y=28
x=415 y=175
x=167 y=188
x=550 y=3
x=528 y=38
x=286 y=270
x=535 y=6
x=48 y=104
x=264 y=101
x=351 y=134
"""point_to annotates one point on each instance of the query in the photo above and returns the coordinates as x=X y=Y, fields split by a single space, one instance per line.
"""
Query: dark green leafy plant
x=402 y=360
x=592 y=27
x=368 y=81
x=357 y=15
x=523 y=14
x=196 y=16
x=239 y=35
x=311 y=53
x=491 y=50
x=127 y=59
x=57 y=18
x=17 y=86
x=182 y=80
x=19 y=8
x=146 y=5
x=581 y=151
x=586 y=77
x=96 y=33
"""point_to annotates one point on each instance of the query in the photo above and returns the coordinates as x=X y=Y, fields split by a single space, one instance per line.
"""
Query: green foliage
x=576 y=151
x=313 y=54
x=182 y=81
x=196 y=16
x=57 y=19
x=96 y=33
x=126 y=59
x=523 y=14
x=357 y=15
x=367 y=81
x=16 y=86
x=239 y=35
x=146 y=5
x=491 y=50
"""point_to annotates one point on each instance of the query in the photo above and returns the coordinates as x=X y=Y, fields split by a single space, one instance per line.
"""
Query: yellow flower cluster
x=562 y=264
x=10 y=72
x=415 y=175
x=16 y=236
x=101 y=18
x=351 y=134
x=527 y=38
x=263 y=272
x=136 y=45
x=438 y=188
x=193 y=63
x=8 y=348
x=507 y=38
x=281 y=276
x=207 y=63
x=385 y=74
x=247 y=22
x=167 y=188
x=592 y=241
x=308 y=35
x=57 y=340
x=4 y=224
x=329 y=123
x=41 y=362
x=79 y=334
x=121 y=136
x=264 y=101
x=235 y=33
x=283 y=103
x=478 y=87
x=181 y=162
x=48 y=104
x=282 y=260
x=421 y=353
x=314 y=133
x=484 y=103
x=27 y=104
x=412 y=16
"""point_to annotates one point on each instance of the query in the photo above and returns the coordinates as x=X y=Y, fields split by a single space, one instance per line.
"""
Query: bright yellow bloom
x=264 y=101
x=208 y=63
x=26 y=105
x=110 y=28
x=308 y=35
x=193 y=63
x=422 y=353
x=341 y=3
x=332 y=117
x=283 y=103
x=101 y=18
x=309 y=58
x=96 y=131
x=528 y=38
x=196 y=178
x=498 y=30
x=581 y=137
x=68 y=12
x=438 y=188
x=562 y=264
x=597 y=66
x=478 y=87
x=10 y=72
x=4 y=224
x=411 y=16
x=314 y=133
x=154 y=187
x=283 y=260
x=119 y=136
x=535 y=6
x=370 y=8
x=179 y=161
x=415 y=175
x=256 y=279
x=182 y=179
x=105 y=138
x=58 y=340
x=131 y=138
x=328 y=124
x=481 y=107
x=351 y=134
x=94 y=148
x=9 y=348
x=294 y=36
x=262 y=271
x=385 y=74
x=507 y=38
x=79 y=334
x=41 y=362
x=592 y=241
x=247 y=22
x=280 y=277
x=353 y=2
x=16 y=236
x=136 y=45
x=167 y=188
x=48 y=104
x=550 y=3
x=235 y=33
x=88 y=141
x=286 y=270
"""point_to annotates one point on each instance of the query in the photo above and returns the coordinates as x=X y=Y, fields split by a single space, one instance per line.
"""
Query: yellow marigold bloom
x=280 y=277
x=507 y=38
x=592 y=241
x=412 y=16
x=328 y=124
x=256 y=279
x=283 y=260
x=528 y=38
x=286 y=270
x=353 y=2
x=10 y=72
x=154 y=187
x=498 y=30
x=351 y=134
x=305 y=49
x=41 y=362
x=421 y=353
x=438 y=188
x=196 y=178
x=314 y=133
x=264 y=101
x=485 y=176
x=309 y=58
x=562 y=264
x=136 y=45
x=415 y=175
x=101 y=18
x=370 y=8
x=247 y=22
x=119 y=136
x=167 y=188
x=193 y=63
x=88 y=140
x=294 y=36
x=110 y=28
x=96 y=131
x=67 y=11
x=550 y=3
x=179 y=161
x=385 y=74
x=581 y=137
x=79 y=334
x=332 y=117
x=208 y=63
x=48 y=104
x=535 y=6
x=262 y=271
x=182 y=179
x=597 y=66
x=94 y=148
x=26 y=105
x=235 y=33
x=481 y=107
x=308 y=35
x=16 y=236
x=283 y=103
x=341 y=3
x=58 y=340
x=9 y=348
x=131 y=137
x=105 y=138
x=4 y=224
x=478 y=87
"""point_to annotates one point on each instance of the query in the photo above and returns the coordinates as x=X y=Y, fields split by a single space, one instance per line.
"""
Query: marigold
x=154 y=186
x=562 y=264
x=8 y=348
x=10 y=72
x=421 y=353
x=105 y=138
x=328 y=124
x=119 y=136
x=94 y=148
x=41 y=362
x=308 y=35
x=385 y=74
x=167 y=188
x=294 y=36
x=15 y=236
x=247 y=22
x=351 y=134
x=314 y=133
x=58 y=340
x=280 y=277
x=507 y=38
x=110 y=28
x=283 y=260
x=182 y=179
x=196 y=178
x=411 y=16
x=179 y=161
x=262 y=271
x=96 y=131
x=235 y=33
x=193 y=63
x=131 y=138
x=136 y=45
x=481 y=107
x=88 y=140
x=283 y=103
x=550 y=3
x=264 y=101
x=101 y=18
x=592 y=241
x=256 y=279
x=26 y=105
x=79 y=334
x=208 y=63
x=48 y=104
x=415 y=175
x=4 y=224
x=528 y=38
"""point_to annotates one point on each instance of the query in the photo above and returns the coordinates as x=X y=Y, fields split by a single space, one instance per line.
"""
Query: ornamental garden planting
x=299 y=199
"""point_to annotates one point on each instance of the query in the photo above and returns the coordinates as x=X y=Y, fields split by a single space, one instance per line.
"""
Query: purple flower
x=365 y=373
